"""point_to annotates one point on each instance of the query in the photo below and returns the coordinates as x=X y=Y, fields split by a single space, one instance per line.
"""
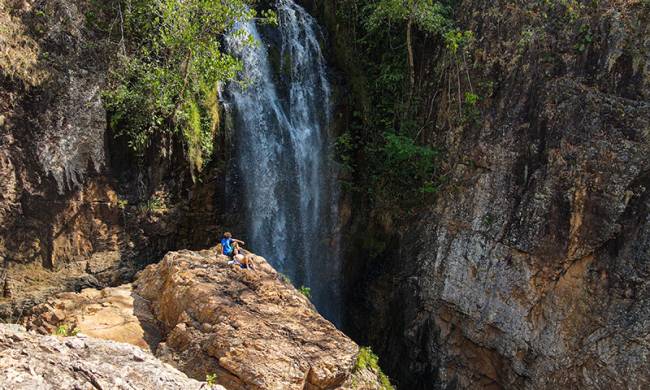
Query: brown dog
x=245 y=260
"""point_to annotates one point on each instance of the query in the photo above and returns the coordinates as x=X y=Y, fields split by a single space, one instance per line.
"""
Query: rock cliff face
x=31 y=361
x=250 y=328
x=75 y=210
x=532 y=268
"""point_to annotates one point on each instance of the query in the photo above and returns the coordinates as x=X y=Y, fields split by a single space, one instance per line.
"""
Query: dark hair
x=227 y=235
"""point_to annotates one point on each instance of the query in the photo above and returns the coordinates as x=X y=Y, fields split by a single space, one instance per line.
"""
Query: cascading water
x=286 y=184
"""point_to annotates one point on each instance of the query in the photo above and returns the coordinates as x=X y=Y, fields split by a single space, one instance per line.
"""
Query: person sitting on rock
x=230 y=245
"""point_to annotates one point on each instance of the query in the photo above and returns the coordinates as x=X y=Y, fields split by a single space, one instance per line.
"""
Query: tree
x=427 y=15
x=169 y=65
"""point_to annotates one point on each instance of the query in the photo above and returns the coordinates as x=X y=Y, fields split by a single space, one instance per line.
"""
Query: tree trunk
x=409 y=46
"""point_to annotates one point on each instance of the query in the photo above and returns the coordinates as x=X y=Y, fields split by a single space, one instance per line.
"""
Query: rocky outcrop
x=532 y=269
x=31 y=361
x=253 y=329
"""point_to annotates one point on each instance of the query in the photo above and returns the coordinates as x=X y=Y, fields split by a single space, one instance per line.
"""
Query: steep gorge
x=529 y=268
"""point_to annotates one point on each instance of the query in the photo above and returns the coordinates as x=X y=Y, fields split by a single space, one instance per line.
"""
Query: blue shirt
x=226 y=243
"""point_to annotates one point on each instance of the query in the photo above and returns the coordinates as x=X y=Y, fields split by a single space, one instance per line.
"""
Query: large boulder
x=252 y=328
x=32 y=361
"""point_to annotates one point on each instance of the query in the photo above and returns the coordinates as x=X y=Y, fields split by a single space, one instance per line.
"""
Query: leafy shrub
x=344 y=149
x=211 y=379
x=408 y=168
x=368 y=360
x=471 y=98
x=122 y=203
x=306 y=291
x=151 y=205
x=66 y=330
x=384 y=145
x=456 y=39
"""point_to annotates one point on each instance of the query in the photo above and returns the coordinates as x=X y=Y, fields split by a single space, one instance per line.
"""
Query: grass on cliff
x=369 y=360
x=20 y=59
x=211 y=379
x=306 y=291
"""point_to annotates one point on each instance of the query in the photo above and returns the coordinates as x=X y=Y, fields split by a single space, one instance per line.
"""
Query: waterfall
x=286 y=182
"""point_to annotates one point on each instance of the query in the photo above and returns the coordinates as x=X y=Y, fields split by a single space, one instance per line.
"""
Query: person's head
x=227 y=235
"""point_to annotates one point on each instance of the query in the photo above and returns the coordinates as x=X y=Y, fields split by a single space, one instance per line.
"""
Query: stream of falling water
x=286 y=182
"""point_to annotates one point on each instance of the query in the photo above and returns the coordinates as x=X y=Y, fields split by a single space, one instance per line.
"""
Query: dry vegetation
x=19 y=52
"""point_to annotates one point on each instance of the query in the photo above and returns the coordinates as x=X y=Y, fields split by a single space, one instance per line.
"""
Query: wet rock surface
x=32 y=361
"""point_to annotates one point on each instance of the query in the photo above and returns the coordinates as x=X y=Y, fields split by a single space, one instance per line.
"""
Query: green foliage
x=456 y=39
x=584 y=38
x=344 y=149
x=471 y=113
x=368 y=360
x=198 y=133
x=153 y=204
x=471 y=98
x=306 y=291
x=122 y=203
x=211 y=379
x=66 y=330
x=526 y=38
x=407 y=163
x=168 y=69
x=383 y=147
x=428 y=15
x=269 y=17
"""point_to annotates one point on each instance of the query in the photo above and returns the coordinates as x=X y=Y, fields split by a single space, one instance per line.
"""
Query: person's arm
x=239 y=241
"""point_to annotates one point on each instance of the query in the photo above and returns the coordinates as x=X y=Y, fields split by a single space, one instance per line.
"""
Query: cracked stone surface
x=31 y=361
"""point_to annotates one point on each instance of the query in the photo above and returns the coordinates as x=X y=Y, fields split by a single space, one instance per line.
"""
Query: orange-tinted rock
x=253 y=330
x=112 y=314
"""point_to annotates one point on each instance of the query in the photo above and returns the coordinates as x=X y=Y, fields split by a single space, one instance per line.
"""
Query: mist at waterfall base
x=281 y=177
